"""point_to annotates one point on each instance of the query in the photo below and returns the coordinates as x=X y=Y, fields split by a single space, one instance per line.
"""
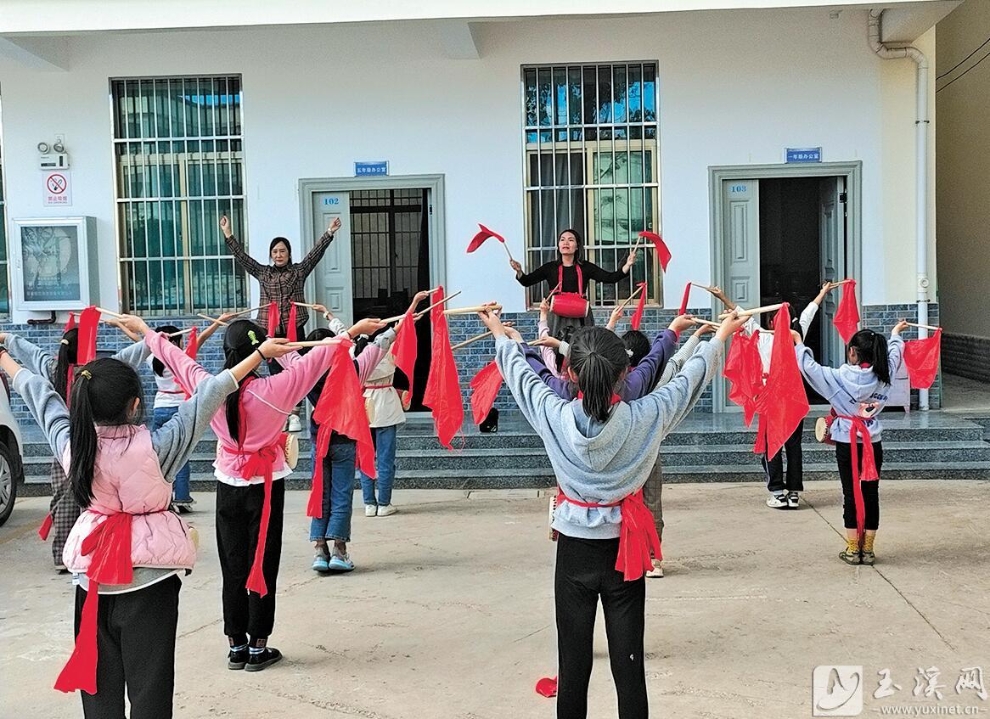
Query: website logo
x=837 y=691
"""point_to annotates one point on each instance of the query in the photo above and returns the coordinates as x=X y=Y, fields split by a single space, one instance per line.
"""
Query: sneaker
x=340 y=562
x=792 y=500
x=293 y=425
x=60 y=569
x=262 y=660
x=321 y=563
x=869 y=558
x=371 y=510
x=850 y=557
x=386 y=510
x=237 y=659
x=777 y=501
x=657 y=571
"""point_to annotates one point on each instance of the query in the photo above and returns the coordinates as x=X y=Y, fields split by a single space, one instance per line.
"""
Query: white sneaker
x=370 y=510
x=777 y=501
x=294 y=425
x=385 y=510
x=657 y=571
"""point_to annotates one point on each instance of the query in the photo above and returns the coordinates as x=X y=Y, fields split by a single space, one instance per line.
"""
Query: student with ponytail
x=858 y=392
x=602 y=450
x=127 y=550
x=58 y=371
x=251 y=458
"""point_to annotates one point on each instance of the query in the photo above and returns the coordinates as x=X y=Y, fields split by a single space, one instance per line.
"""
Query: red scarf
x=859 y=430
x=639 y=542
x=110 y=545
x=261 y=463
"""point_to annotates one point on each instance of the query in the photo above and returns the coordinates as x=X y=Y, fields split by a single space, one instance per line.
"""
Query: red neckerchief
x=110 y=545
x=639 y=542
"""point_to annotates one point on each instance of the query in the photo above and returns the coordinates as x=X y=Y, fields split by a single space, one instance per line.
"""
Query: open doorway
x=390 y=262
x=390 y=246
x=778 y=233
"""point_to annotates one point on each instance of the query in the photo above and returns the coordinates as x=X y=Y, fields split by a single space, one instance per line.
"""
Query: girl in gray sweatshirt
x=602 y=450
x=858 y=391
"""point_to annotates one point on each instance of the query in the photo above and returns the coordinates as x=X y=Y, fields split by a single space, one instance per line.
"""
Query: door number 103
x=738 y=188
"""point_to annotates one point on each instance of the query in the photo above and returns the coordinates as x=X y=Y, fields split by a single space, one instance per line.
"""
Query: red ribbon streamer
x=272 y=319
x=684 y=299
x=479 y=239
x=637 y=318
x=663 y=254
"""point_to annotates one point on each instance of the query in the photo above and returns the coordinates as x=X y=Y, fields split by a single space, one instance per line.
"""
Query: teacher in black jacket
x=562 y=275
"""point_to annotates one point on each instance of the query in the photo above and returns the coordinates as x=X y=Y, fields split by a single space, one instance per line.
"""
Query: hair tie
x=86 y=373
x=63 y=341
x=629 y=352
x=253 y=337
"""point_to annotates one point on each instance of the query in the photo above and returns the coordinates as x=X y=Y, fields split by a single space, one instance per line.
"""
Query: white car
x=11 y=467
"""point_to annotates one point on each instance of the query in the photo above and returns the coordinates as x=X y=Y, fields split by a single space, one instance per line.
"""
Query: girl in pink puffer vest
x=127 y=550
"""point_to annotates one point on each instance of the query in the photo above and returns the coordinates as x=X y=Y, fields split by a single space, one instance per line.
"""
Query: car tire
x=11 y=475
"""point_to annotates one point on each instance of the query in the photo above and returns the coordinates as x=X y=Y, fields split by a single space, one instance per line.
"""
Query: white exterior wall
x=385 y=91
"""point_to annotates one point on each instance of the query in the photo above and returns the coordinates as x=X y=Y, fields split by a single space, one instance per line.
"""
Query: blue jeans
x=384 y=438
x=180 y=488
x=338 y=492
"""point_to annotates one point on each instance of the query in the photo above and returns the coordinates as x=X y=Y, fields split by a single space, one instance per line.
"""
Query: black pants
x=273 y=366
x=135 y=636
x=774 y=466
x=586 y=571
x=871 y=490
x=238 y=522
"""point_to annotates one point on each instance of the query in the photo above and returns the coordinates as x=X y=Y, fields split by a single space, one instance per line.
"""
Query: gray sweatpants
x=652 y=491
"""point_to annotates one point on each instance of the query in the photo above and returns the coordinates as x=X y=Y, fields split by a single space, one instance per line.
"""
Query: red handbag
x=570 y=304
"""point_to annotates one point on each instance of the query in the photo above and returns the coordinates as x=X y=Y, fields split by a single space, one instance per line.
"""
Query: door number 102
x=331 y=200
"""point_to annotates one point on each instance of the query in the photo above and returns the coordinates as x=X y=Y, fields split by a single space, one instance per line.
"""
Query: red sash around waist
x=858 y=430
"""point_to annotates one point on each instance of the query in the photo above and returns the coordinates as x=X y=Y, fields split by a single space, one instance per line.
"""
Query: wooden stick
x=843 y=282
x=213 y=320
x=471 y=340
x=304 y=304
x=754 y=311
x=422 y=312
x=704 y=287
x=307 y=343
x=630 y=297
x=506 y=246
x=108 y=312
x=247 y=312
x=181 y=332
x=924 y=327
x=491 y=307
x=699 y=321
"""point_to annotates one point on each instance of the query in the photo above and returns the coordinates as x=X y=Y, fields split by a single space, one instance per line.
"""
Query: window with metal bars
x=178 y=154
x=591 y=164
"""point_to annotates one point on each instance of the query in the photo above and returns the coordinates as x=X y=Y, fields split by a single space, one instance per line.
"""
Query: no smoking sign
x=57 y=190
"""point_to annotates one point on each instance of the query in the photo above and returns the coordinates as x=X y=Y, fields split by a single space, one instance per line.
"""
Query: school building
x=773 y=144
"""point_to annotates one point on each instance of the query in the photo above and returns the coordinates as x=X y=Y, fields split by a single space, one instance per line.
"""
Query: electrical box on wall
x=54 y=263
x=54 y=161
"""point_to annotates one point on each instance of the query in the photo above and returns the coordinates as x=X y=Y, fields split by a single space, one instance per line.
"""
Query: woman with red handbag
x=568 y=277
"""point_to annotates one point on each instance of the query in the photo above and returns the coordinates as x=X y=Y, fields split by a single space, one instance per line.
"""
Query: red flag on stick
x=192 y=345
x=89 y=321
x=443 y=388
x=272 y=319
x=71 y=323
x=483 y=234
x=783 y=402
x=684 y=299
x=846 y=318
x=404 y=347
x=921 y=359
x=486 y=385
x=663 y=254
x=340 y=409
x=744 y=370
x=637 y=318
x=292 y=332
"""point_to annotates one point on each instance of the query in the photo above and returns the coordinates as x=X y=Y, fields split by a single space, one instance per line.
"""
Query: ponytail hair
x=241 y=338
x=637 y=346
x=66 y=357
x=156 y=364
x=599 y=359
x=102 y=393
x=871 y=349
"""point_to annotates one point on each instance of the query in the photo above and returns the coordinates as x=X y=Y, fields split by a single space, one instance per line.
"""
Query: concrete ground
x=964 y=395
x=450 y=612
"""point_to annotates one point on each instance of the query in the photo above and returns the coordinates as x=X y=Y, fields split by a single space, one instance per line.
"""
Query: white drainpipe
x=921 y=166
